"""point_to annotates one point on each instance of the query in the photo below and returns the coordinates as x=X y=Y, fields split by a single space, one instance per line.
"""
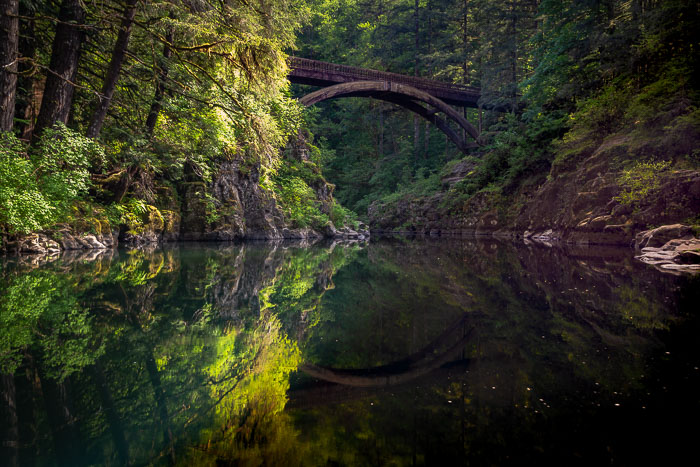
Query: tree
x=9 y=43
x=63 y=69
x=115 y=65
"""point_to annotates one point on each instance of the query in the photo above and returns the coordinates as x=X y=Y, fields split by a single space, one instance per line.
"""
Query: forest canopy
x=163 y=87
x=151 y=94
x=584 y=69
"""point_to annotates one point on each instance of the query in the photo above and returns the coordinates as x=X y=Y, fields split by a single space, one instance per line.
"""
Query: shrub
x=639 y=181
x=39 y=184
x=603 y=114
x=299 y=202
x=341 y=216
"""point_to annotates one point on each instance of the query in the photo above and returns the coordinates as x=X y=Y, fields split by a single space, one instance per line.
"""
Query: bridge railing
x=296 y=63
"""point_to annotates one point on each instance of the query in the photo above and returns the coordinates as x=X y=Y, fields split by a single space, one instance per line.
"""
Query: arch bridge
x=425 y=97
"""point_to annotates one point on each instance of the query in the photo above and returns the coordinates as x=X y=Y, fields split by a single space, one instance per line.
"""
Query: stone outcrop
x=230 y=206
x=36 y=243
x=662 y=235
x=578 y=203
x=151 y=227
x=670 y=248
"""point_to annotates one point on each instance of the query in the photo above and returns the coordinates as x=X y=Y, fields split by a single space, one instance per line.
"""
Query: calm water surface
x=397 y=352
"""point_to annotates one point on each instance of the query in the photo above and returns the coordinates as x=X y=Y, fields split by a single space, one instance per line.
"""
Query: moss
x=89 y=218
x=171 y=220
x=155 y=219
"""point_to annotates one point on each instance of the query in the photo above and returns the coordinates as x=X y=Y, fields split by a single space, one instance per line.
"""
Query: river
x=394 y=352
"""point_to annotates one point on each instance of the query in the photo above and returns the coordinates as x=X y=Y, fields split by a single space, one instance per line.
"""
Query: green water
x=397 y=352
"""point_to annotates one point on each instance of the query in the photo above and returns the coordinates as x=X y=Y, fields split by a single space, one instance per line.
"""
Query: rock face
x=660 y=236
x=233 y=207
x=582 y=205
x=37 y=243
x=151 y=227
x=578 y=203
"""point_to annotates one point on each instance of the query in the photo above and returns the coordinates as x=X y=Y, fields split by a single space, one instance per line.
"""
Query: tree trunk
x=381 y=131
x=58 y=398
x=465 y=42
x=162 y=75
x=416 y=123
x=9 y=45
x=426 y=136
x=115 y=66
x=115 y=425
x=27 y=388
x=29 y=88
x=514 y=56
x=159 y=394
x=58 y=92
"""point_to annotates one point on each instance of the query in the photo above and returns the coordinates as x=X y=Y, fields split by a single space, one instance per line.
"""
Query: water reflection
x=398 y=352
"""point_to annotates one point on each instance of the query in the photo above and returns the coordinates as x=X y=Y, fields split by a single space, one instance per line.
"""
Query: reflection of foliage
x=302 y=282
x=200 y=345
x=136 y=270
x=249 y=381
x=39 y=310
x=640 y=311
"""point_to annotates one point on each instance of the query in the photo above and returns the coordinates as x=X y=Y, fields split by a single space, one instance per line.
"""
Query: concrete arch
x=405 y=96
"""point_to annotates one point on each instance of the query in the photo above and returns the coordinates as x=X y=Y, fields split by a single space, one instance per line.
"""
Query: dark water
x=394 y=353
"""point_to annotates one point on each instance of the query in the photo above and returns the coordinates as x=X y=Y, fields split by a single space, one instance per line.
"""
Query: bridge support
x=410 y=98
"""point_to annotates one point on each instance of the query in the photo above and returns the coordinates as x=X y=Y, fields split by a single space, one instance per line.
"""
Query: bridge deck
x=317 y=73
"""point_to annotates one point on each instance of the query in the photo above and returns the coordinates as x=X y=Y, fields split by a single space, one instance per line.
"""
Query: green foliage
x=603 y=114
x=639 y=181
x=38 y=186
x=424 y=185
x=136 y=215
x=23 y=207
x=299 y=202
x=521 y=150
x=341 y=216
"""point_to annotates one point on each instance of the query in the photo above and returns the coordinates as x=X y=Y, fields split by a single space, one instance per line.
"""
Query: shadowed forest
x=200 y=267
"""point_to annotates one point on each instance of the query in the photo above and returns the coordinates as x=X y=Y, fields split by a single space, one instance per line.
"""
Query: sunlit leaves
x=38 y=189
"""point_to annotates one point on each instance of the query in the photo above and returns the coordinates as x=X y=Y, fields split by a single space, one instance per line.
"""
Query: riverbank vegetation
x=109 y=102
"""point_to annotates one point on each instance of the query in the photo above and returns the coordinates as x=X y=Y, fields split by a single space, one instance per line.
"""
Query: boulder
x=38 y=244
x=660 y=236
x=677 y=255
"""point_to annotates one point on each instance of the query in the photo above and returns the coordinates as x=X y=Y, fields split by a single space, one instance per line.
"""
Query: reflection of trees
x=8 y=415
x=184 y=356
x=553 y=331
x=514 y=297
x=440 y=351
x=140 y=357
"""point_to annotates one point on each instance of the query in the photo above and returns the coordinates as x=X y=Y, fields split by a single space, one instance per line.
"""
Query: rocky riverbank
x=587 y=199
x=231 y=205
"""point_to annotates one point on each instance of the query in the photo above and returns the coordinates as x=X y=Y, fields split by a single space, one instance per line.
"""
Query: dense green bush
x=341 y=216
x=290 y=182
x=298 y=202
x=639 y=181
x=39 y=184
